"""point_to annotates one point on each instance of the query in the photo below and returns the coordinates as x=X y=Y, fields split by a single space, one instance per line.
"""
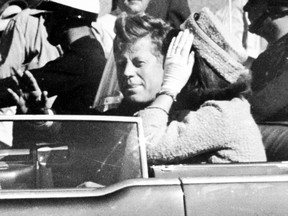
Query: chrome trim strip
x=143 y=153
x=235 y=179
x=278 y=164
x=70 y=118
x=85 y=192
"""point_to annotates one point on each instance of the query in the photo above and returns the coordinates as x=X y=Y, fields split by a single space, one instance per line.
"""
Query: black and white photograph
x=143 y=107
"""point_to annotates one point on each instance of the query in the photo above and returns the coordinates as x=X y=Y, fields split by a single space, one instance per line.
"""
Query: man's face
x=133 y=6
x=140 y=72
x=54 y=29
x=255 y=9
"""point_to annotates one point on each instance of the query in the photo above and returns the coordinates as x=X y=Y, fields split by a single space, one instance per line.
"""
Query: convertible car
x=92 y=165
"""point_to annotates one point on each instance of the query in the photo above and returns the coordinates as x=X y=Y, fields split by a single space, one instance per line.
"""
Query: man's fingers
x=44 y=98
x=15 y=80
x=14 y=95
x=17 y=73
x=31 y=81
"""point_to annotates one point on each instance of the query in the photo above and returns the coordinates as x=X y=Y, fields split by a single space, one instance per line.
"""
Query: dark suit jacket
x=173 y=11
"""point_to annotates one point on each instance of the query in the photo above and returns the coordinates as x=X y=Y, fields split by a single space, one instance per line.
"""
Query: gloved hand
x=29 y=97
x=178 y=64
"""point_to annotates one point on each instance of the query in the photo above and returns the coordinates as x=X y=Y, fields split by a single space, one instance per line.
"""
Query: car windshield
x=67 y=151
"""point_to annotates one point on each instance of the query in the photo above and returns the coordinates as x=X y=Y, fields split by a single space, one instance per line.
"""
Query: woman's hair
x=206 y=84
x=130 y=28
x=114 y=5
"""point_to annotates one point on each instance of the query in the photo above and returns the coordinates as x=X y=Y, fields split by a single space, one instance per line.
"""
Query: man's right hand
x=29 y=97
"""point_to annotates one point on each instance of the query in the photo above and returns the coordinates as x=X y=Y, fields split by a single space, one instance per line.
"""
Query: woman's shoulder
x=225 y=112
x=239 y=104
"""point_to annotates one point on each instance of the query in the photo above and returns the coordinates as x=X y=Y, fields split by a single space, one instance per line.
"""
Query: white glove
x=178 y=64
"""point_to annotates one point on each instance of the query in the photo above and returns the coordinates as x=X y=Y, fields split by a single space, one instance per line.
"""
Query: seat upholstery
x=275 y=139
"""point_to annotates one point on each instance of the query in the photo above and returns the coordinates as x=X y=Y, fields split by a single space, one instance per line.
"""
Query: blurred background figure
x=104 y=26
x=173 y=11
x=23 y=45
x=8 y=10
x=236 y=22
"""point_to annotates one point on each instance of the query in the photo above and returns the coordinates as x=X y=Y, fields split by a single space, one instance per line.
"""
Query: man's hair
x=130 y=28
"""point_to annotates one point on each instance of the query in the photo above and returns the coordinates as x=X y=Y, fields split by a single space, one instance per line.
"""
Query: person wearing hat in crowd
x=23 y=46
x=219 y=128
x=269 y=101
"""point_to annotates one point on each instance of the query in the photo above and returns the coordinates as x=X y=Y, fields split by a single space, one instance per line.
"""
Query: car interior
x=104 y=151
